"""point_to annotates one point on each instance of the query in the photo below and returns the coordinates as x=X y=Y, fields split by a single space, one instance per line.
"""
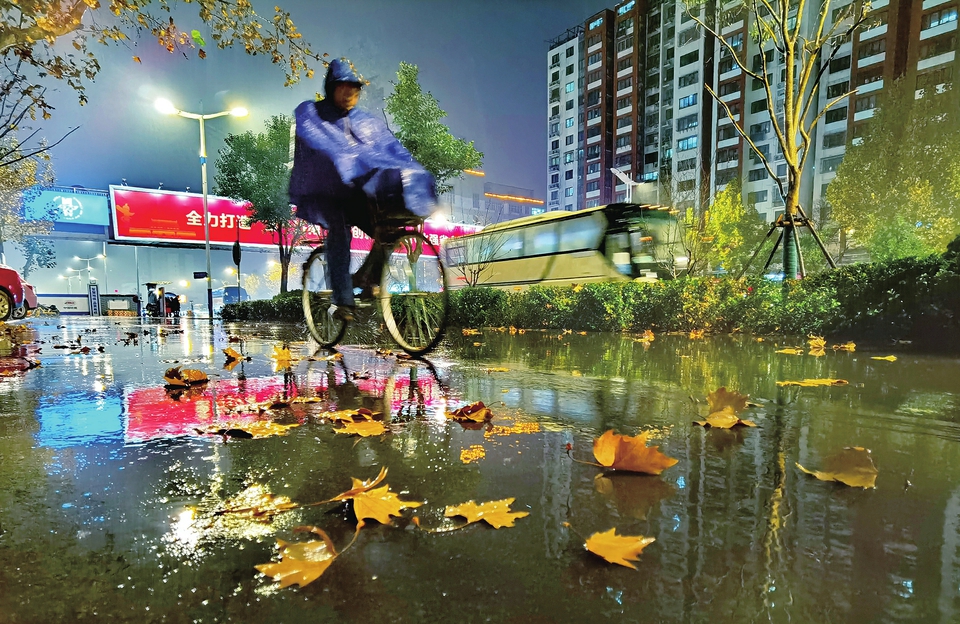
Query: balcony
x=937 y=60
x=938 y=30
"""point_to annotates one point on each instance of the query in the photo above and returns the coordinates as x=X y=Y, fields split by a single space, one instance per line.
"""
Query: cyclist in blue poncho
x=346 y=165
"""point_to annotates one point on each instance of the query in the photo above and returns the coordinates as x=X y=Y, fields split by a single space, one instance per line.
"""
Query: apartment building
x=647 y=112
x=565 y=130
x=475 y=200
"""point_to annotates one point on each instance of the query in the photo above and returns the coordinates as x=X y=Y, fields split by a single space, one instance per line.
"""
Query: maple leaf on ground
x=630 y=453
x=255 y=430
x=186 y=377
x=357 y=415
x=379 y=504
x=724 y=419
x=470 y=332
x=813 y=383
x=361 y=486
x=364 y=429
x=721 y=398
x=257 y=503
x=851 y=466
x=472 y=454
x=281 y=355
x=817 y=342
x=301 y=563
x=495 y=513
x=476 y=412
x=618 y=549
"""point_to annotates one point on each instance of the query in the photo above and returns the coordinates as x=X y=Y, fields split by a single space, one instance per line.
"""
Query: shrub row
x=898 y=299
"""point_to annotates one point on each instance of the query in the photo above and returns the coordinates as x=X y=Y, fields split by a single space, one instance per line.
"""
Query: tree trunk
x=284 y=267
x=790 y=259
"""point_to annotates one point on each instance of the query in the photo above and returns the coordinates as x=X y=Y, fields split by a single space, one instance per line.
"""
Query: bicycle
x=413 y=297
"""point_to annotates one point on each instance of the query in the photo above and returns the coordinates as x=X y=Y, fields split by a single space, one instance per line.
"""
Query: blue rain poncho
x=345 y=160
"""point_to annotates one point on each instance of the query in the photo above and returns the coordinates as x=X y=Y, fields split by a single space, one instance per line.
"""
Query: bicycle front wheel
x=317 y=299
x=413 y=294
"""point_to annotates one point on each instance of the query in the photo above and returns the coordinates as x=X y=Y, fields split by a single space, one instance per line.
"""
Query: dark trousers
x=339 y=237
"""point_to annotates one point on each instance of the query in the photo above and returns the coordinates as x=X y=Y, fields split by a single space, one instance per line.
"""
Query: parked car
x=29 y=301
x=11 y=291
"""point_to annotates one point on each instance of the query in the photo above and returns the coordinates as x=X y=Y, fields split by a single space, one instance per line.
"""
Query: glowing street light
x=166 y=107
x=70 y=279
x=89 y=269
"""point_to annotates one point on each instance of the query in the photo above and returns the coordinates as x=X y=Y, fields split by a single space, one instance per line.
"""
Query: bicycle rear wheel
x=413 y=294
x=317 y=300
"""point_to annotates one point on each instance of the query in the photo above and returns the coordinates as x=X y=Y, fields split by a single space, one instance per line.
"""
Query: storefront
x=125 y=237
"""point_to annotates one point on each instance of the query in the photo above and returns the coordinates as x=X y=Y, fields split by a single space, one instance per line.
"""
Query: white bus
x=616 y=242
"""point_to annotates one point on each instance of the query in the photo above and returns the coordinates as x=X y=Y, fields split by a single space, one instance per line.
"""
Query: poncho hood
x=340 y=70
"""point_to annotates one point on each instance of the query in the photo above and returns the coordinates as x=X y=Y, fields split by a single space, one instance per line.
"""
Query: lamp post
x=89 y=268
x=70 y=279
x=167 y=108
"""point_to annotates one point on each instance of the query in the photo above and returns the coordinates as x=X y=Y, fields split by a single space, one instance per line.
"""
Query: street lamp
x=70 y=279
x=88 y=269
x=165 y=107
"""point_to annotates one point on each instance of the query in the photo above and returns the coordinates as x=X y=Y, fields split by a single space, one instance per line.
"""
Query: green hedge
x=914 y=297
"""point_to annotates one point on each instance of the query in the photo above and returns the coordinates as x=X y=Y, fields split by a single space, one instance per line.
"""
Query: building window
x=688 y=101
x=836 y=139
x=593 y=203
x=623 y=141
x=936 y=18
x=837 y=89
x=840 y=64
x=594 y=76
x=568 y=88
x=624 y=122
x=555 y=111
x=874 y=19
x=568 y=207
x=686 y=164
x=865 y=103
x=731 y=86
x=568 y=157
x=568 y=174
x=555 y=144
x=759 y=62
x=624 y=161
x=727 y=154
x=569 y=70
x=755 y=155
x=594 y=58
x=626 y=63
x=568 y=192
x=736 y=41
x=689 y=79
x=836 y=114
x=872 y=75
x=686 y=123
x=758 y=107
x=570 y=52
x=592 y=152
x=687 y=143
x=593 y=114
x=781 y=171
x=689 y=57
x=554 y=195
x=593 y=168
x=758 y=131
x=757 y=197
x=593 y=97
x=726 y=132
x=555 y=60
x=593 y=186
x=829 y=165
x=725 y=65
x=625 y=83
x=686 y=36
x=554 y=95
x=756 y=175
x=555 y=76
x=568 y=122
x=568 y=140
x=568 y=105
x=554 y=161
x=555 y=178
x=725 y=176
x=938 y=46
x=554 y=128
x=624 y=102
x=871 y=48
x=593 y=132
x=934 y=77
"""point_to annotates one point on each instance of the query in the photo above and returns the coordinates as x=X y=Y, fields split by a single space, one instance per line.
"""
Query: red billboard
x=169 y=216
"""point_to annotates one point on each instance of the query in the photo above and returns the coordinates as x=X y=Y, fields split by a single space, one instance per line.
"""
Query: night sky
x=484 y=60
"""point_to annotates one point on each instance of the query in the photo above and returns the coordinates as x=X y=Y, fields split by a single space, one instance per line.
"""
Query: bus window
x=541 y=239
x=642 y=245
x=582 y=233
x=618 y=251
x=509 y=245
x=455 y=253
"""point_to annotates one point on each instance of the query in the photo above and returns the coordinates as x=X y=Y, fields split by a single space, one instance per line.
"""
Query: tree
x=16 y=178
x=805 y=49
x=255 y=168
x=895 y=190
x=732 y=229
x=417 y=115
x=38 y=253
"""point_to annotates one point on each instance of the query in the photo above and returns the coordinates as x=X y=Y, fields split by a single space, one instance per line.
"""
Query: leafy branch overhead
x=417 y=116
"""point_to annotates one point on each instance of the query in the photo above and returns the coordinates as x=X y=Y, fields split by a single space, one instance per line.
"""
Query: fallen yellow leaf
x=186 y=377
x=379 y=504
x=495 y=513
x=472 y=454
x=696 y=334
x=721 y=398
x=817 y=342
x=820 y=352
x=646 y=337
x=496 y=370
x=724 y=419
x=476 y=412
x=357 y=415
x=256 y=429
x=790 y=351
x=847 y=346
x=470 y=332
x=362 y=486
x=630 y=453
x=364 y=429
x=813 y=383
x=886 y=358
x=619 y=549
x=281 y=355
x=851 y=466
x=301 y=563
x=257 y=503
x=231 y=355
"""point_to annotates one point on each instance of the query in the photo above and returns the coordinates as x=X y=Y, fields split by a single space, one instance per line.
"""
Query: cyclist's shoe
x=341 y=313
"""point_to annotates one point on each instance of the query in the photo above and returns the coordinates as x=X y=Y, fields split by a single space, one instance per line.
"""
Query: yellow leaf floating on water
x=364 y=429
x=886 y=358
x=496 y=370
x=357 y=415
x=847 y=346
x=790 y=351
x=183 y=378
x=646 y=337
x=281 y=355
x=813 y=383
x=851 y=466
x=476 y=412
x=472 y=454
x=301 y=563
x=630 y=453
x=817 y=342
x=361 y=486
x=696 y=334
x=232 y=354
x=495 y=513
x=379 y=504
x=618 y=549
x=257 y=503
x=724 y=419
x=721 y=398
x=470 y=332
x=255 y=430
x=516 y=428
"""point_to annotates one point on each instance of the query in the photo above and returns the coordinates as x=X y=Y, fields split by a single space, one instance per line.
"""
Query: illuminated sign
x=436 y=232
x=66 y=205
x=169 y=216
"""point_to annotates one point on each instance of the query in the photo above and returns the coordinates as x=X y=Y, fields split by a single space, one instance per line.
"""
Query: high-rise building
x=648 y=113
x=564 y=112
